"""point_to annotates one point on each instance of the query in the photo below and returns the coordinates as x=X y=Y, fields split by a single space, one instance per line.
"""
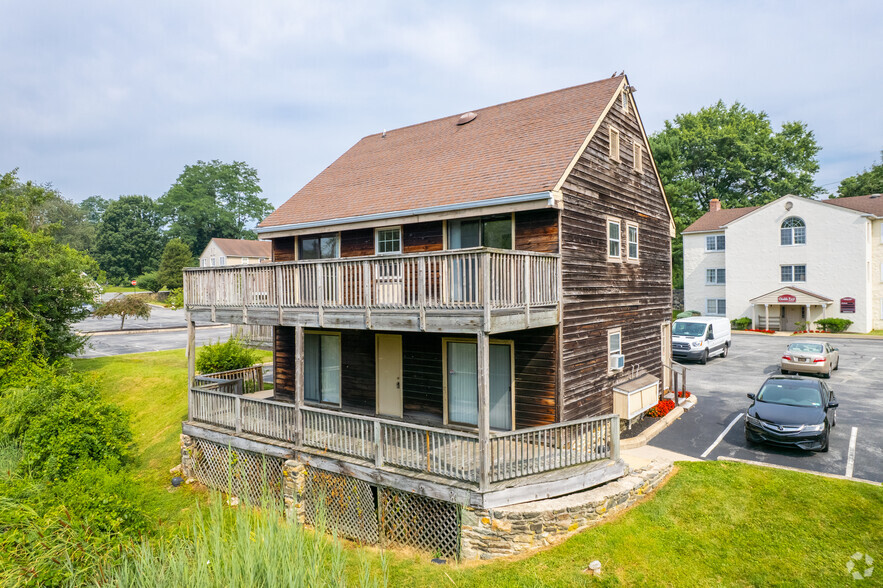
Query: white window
x=715 y=243
x=613 y=239
x=213 y=262
x=638 y=155
x=625 y=101
x=223 y=261
x=614 y=144
x=614 y=345
x=793 y=231
x=632 y=235
x=793 y=273
x=716 y=306
x=388 y=240
x=322 y=367
x=715 y=276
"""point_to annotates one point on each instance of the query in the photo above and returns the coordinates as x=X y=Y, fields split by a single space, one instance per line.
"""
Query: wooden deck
x=525 y=464
x=466 y=291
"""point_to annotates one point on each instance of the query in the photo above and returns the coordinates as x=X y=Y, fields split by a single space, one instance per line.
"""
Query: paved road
x=721 y=386
x=160 y=318
x=101 y=345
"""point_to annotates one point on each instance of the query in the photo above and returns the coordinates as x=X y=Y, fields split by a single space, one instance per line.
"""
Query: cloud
x=116 y=98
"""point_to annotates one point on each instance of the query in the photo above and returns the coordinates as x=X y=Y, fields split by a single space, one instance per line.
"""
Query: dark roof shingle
x=714 y=220
x=511 y=149
x=870 y=203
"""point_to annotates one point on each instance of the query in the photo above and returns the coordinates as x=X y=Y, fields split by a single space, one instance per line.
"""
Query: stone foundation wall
x=293 y=479
x=187 y=447
x=487 y=534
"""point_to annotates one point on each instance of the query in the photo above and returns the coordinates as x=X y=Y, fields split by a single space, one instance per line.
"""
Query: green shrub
x=61 y=424
x=176 y=298
x=834 y=325
x=149 y=282
x=741 y=323
x=221 y=357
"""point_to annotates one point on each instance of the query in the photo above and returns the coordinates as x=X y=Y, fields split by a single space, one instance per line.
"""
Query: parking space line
x=850 y=458
x=721 y=436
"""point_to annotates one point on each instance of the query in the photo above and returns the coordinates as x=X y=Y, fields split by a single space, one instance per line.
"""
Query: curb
x=790 y=469
x=815 y=335
x=143 y=331
x=660 y=426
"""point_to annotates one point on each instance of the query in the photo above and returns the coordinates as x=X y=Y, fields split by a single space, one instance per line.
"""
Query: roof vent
x=466 y=118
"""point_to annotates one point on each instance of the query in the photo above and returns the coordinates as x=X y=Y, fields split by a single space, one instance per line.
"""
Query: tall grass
x=241 y=546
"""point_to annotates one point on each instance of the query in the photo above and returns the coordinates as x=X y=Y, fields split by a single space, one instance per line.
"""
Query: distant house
x=221 y=252
x=463 y=310
x=789 y=262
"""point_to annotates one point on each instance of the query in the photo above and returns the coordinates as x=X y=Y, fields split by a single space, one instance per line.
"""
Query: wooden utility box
x=635 y=397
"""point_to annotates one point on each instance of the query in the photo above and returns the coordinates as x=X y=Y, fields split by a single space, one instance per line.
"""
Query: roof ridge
x=477 y=110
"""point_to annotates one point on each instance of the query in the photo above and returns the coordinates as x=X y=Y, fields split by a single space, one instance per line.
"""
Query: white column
x=767 y=308
x=808 y=319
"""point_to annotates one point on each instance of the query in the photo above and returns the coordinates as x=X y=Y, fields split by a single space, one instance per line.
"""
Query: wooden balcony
x=525 y=464
x=462 y=291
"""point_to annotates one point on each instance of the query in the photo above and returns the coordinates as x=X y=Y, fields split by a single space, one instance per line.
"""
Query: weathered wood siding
x=357 y=243
x=601 y=295
x=537 y=230
x=283 y=360
x=423 y=237
x=423 y=374
x=283 y=249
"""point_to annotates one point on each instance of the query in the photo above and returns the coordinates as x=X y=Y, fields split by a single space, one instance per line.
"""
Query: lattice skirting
x=242 y=473
x=375 y=514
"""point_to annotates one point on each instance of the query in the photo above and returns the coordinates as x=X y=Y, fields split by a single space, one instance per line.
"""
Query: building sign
x=787 y=298
x=847 y=305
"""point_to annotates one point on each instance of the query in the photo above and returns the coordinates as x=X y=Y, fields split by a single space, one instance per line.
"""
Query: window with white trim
x=793 y=273
x=613 y=239
x=716 y=306
x=715 y=276
x=322 y=363
x=223 y=261
x=213 y=262
x=632 y=238
x=388 y=240
x=638 y=157
x=715 y=243
x=614 y=345
x=625 y=101
x=793 y=231
x=614 y=144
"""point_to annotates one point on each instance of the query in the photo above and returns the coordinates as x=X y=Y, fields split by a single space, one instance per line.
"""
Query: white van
x=699 y=337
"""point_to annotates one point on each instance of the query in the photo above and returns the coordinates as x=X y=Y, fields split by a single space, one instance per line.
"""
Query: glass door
x=462 y=382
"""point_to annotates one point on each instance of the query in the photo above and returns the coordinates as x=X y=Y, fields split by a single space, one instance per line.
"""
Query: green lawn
x=713 y=523
x=124 y=289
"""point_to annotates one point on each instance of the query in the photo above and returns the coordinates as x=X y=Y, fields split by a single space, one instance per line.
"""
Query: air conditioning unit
x=617 y=362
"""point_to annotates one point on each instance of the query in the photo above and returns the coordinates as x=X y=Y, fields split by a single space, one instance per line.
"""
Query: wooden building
x=457 y=305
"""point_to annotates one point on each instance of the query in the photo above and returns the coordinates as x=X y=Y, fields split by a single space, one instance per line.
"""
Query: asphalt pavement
x=714 y=428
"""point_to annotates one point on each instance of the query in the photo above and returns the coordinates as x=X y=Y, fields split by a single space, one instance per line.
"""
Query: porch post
x=808 y=319
x=298 y=382
x=767 y=308
x=484 y=421
x=191 y=359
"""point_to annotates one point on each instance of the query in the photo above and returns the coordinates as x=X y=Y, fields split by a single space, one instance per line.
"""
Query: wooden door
x=389 y=374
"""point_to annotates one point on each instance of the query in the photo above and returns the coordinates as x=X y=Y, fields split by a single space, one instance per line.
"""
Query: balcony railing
x=442 y=452
x=474 y=279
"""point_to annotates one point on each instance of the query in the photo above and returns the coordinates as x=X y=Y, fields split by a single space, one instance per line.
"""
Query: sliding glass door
x=322 y=367
x=462 y=384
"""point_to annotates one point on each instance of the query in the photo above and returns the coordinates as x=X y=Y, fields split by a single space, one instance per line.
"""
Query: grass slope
x=713 y=523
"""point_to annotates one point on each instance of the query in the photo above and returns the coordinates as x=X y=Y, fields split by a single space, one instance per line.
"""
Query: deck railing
x=442 y=452
x=465 y=279
x=241 y=381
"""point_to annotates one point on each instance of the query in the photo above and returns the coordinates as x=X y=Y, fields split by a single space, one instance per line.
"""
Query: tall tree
x=214 y=199
x=44 y=285
x=733 y=154
x=130 y=237
x=175 y=257
x=869 y=181
x=93 y=207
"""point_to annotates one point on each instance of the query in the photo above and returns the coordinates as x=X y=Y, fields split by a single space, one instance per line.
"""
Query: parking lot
x=715 y=426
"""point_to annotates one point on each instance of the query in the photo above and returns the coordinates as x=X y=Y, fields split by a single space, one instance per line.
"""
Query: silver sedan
x=810 y=357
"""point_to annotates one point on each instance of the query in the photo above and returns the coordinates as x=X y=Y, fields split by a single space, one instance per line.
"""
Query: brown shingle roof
x=713 y=221
x=243 y=247
x=872 y=203
x=516 y=148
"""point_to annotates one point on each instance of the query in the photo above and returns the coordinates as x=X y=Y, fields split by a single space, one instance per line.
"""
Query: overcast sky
x=111 y=97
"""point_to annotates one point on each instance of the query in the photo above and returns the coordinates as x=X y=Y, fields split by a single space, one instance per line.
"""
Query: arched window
x=793 y=231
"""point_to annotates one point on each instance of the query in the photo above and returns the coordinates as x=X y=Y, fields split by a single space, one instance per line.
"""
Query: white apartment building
x=789 y=261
